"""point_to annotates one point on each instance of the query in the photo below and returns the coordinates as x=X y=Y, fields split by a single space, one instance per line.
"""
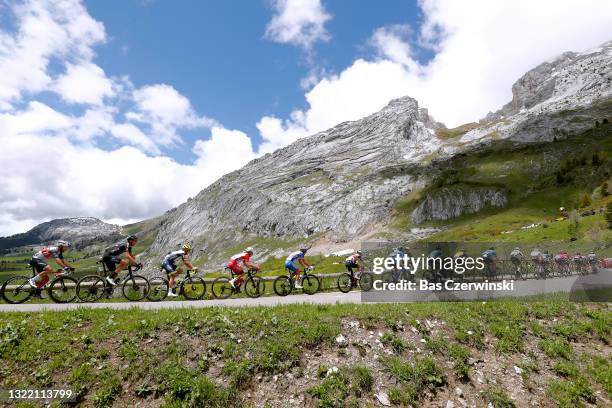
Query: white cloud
x=84 y=83
x=225 y=151
x=481 y=48
x=47 y=29
x=44 y=177
x=298 y=22
x=164 y=109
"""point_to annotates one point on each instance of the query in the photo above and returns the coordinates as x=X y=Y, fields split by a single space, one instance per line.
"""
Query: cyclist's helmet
x=359 y=253
x=63 y=244
x=186 y=247
x=132 y=238
x=517 y=249
x=249 y=250
x=304 y=250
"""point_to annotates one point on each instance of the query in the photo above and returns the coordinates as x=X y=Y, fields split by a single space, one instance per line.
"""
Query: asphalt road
x=521 y=288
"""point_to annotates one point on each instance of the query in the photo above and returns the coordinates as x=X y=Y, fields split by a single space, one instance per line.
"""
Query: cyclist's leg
x=294 y=271
x=111 y=266
x=237 y=269
x=171 y=271
x=42 y=273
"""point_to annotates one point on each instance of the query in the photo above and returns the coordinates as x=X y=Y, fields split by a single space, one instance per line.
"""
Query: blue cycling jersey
x=295 y=256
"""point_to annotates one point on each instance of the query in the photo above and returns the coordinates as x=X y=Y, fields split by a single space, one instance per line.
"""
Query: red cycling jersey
x=234 y=262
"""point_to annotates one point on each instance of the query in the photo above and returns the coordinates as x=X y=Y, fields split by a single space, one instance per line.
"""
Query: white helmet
x=64 y=244
x=249 y=250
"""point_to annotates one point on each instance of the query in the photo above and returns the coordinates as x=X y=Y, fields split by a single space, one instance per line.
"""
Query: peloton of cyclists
x=169 y=266
x=40 y=260
x=295 y=269
x=112 y=261
x=237 y=261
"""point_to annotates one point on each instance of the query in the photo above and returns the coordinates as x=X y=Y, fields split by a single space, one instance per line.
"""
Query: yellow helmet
x=187 y=247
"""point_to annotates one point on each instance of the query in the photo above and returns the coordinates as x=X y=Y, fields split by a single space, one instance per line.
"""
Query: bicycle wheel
x=158 y=289
x=63 y=289
x=90 y=288
x=17 y=289
x=366 y=281
x=135 y=288
x=310 y=284
x=193 y=288
x=254 y=286
x=345 y=282
x=222 y=288
x=282 y=286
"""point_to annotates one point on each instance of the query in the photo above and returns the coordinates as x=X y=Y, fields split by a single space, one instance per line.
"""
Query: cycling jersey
x=174 y=255
x=295 y=256
x=243 y=256
x=48 y=253
x=516 y=254
x=353 y=259
x=118 y=250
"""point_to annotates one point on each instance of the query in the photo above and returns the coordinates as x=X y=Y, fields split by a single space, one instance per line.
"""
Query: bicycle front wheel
x=90 y=288
x=254 y=287
x=345 y=282
x=311 y=284
x=366 y=281
x=63 y=289
x=17 y=290
x=135 y=288
x=158 y=289
x=282 y=286
x=193 y=288
x=222 y=288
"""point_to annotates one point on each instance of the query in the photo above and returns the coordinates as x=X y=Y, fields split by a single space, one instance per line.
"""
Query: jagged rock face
x=347 y=178
x=337 y=181
x=554 y=100
x=80 y=231
x=448 y=203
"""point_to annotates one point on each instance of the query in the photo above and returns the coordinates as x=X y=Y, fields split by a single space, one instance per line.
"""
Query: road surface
x=528 y=287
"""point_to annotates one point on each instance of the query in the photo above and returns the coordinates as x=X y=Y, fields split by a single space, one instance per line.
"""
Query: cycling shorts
x=111 y=262
x=291 y=266
x=38 y=265
x=169 y=267
x=237 y=269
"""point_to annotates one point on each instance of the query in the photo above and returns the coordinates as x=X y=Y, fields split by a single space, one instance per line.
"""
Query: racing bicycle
x=254 y=286
x=285 y=284
x=191 y=287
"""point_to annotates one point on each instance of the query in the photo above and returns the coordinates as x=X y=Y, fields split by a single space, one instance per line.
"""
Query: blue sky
x=130 y=107
x=215 y=53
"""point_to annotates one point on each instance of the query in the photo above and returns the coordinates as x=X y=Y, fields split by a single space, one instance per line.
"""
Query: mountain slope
x=341 y=183
x=81 y=231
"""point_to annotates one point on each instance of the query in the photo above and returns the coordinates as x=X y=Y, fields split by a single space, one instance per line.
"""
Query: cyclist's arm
x=188 y=263
x=304 y=263
x=250 y=265
x=131 y=258
x=61 y=263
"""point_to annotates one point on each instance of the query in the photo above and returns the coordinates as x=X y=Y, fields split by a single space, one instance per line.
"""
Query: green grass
x=185 y=356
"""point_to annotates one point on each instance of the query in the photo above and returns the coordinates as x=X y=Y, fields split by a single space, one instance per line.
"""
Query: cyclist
x=562 y=260
x=114 y=264
x=400 y=264
x=169 y=265
x=516 y=257
x=490 y=259
x=460 y=254
x=235 y=264
x=43 y=269
x=290 y=264
x=355 y=260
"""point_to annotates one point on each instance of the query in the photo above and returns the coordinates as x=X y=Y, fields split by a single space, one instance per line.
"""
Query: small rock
x=450 y=404
x=480 y=381
x=423 y=341
x=275 y=378
x=371 y=333
x=341 y=340
x=383 y=398
x=518 y=370
x=354 y=324
x=470 y=332
x=458 y=391
x=490 y=405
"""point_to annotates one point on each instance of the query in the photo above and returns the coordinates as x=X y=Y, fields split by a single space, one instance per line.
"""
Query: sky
x=123 y=109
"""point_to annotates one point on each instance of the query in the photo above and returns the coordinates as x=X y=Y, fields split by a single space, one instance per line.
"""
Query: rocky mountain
x=343 y=182
x=80 y=231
